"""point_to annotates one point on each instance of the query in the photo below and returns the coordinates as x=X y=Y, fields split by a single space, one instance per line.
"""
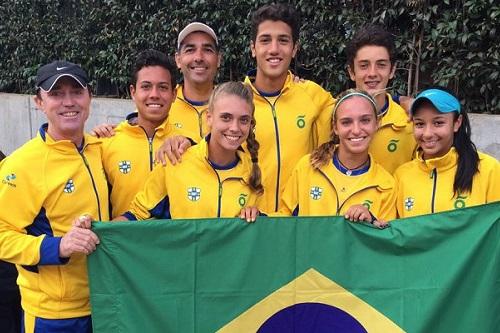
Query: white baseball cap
x=193 y=27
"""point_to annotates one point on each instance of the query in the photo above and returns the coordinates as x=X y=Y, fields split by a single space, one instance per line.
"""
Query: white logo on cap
x=60 y=68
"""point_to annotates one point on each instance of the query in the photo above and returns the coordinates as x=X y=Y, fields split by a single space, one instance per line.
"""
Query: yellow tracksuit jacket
x=44 y=186
x=394 y=143
x=294 y=125
x=190 y=120
x=194 y=189
x=426 y=186
x=313 y=192
x=128 y=159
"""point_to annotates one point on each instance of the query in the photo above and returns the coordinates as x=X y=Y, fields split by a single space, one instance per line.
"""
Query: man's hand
x=103 y=131
x=79 y=239
x=173 y=148
x=297 y=79
x=249 y=214
x=405 y=102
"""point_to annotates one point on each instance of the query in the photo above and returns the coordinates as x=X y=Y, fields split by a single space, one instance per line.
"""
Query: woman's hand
x=358 y=213
x=249 y=214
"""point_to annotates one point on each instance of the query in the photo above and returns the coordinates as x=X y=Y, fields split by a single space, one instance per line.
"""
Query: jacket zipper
x=199 y=114
x=220 y=190
x=200 y=123
x=434 y=183
x=150 y=143
x=278 y=153
x=328 y=179
x=339 y=206
x=93 y=183
x=219 y=202
x=278 y=150
x=362 y=189
x=219 y=195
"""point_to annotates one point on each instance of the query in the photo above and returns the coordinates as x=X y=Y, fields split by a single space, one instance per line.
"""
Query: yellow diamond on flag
x=311 y=302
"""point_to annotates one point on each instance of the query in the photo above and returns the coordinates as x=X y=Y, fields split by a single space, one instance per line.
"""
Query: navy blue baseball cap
x=49 y=74
x=443 y=101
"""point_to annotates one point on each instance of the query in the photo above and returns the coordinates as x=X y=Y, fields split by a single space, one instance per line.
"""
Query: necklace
x=359 y=170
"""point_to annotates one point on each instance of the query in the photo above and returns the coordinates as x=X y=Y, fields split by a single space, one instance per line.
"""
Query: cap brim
x=48 y=84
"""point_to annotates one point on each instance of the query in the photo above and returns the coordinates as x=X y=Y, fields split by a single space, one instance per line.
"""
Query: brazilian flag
x=434 y=273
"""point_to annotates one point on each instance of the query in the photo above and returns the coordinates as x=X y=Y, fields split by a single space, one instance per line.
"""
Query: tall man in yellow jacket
x=44 y=185
x=292 y=118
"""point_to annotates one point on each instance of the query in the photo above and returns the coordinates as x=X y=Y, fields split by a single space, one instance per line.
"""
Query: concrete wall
x=486 y=133
x=19 y=121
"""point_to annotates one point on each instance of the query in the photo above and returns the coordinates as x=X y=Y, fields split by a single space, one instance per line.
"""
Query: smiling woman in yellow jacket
x=215 y=178
x=340 y=177
x=448 y=172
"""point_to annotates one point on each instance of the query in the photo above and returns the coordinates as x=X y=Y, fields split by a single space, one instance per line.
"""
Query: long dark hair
x=468 y=158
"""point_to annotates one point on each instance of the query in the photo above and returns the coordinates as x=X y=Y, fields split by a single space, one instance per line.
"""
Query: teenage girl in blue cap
x=448 y=172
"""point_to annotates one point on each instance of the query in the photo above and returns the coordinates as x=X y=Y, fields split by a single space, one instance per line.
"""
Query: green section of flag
x=434 y=273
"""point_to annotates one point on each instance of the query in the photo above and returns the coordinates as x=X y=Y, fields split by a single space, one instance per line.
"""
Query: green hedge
x=451 y=43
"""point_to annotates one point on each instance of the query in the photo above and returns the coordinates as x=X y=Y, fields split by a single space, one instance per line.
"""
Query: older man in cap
x=44 y=186
x=198 y=58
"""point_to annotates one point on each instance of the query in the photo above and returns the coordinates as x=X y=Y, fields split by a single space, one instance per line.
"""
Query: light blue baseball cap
x=443 y=101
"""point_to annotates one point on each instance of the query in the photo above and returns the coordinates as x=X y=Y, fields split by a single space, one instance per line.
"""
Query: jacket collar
x=372 y=178
x=180 y=96
x=130 y=126
x=65 y=146
x=250 y=79
x=395 y=116
x=445 y=162
x=242 y=168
